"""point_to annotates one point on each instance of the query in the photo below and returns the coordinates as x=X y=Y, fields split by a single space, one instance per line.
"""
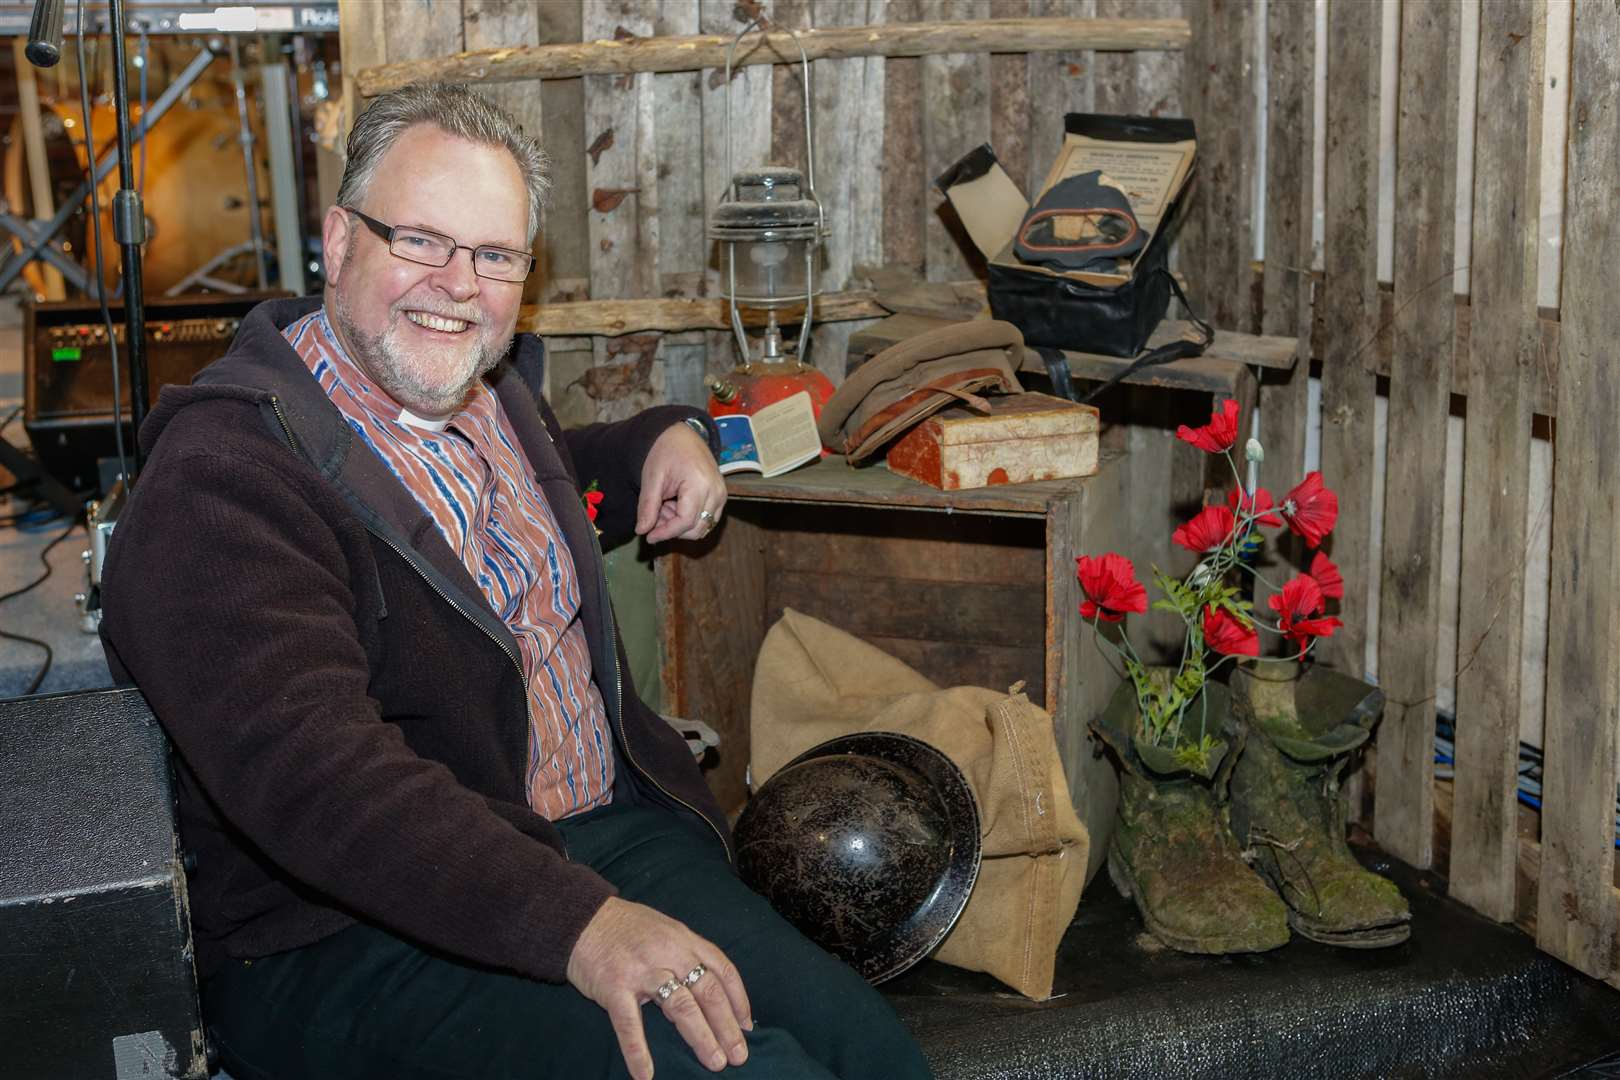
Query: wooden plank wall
x=1506 y=366
x=639 y=161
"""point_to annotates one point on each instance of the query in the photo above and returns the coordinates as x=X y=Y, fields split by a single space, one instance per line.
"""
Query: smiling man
x=436 y=834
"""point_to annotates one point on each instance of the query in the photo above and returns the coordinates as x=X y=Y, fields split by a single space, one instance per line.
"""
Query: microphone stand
x=129 y=229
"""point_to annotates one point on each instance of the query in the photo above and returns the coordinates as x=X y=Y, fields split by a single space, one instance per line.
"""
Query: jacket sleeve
x=227 y=597
x=611 y=456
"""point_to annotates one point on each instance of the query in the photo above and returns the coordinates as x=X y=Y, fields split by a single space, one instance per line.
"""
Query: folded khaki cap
x=907 y=382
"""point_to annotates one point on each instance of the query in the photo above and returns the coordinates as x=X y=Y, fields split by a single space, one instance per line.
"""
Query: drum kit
x=201 y=180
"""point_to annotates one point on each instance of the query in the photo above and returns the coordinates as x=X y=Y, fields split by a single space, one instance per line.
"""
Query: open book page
x=786 y=434
x=773 y=440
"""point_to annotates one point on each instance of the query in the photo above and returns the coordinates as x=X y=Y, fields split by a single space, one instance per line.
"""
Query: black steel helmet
x=869 y=844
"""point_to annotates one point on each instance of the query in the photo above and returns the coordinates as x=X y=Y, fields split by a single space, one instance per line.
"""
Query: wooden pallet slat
x=847 y=100
x=1348 y=307
x=956 y=118
x=1425 y=208
x=1290 y=36
x=1058 y=83
x=1220 y=98
x=1504 y=343
x=1576 y=910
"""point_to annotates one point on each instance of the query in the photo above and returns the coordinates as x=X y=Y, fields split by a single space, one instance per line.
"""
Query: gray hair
x=454 y=109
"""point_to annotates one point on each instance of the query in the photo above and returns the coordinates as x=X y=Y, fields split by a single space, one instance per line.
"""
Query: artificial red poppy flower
x=1300 y=599
x=1229 y=635
x=1311 y=509
x=1206 y=532
x=1327 y=576
x=1257 y=504
x=593 y=500
x=1109 y=582
x=1219 y=434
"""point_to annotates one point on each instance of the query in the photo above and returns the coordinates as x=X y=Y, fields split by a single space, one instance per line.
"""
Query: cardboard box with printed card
x=1099 y=281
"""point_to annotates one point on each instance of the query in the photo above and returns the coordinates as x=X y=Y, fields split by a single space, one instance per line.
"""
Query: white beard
x=428 y=381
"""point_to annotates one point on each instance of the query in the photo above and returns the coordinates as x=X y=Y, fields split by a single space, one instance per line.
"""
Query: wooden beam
x=610 y=318
x=1576 y=918
x=688 y=53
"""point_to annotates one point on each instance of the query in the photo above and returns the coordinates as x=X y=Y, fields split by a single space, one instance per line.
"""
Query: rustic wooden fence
x=1513 y=369
x=1300 y=165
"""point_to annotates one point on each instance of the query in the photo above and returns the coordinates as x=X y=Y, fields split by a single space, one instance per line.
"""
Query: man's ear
x=335 y=236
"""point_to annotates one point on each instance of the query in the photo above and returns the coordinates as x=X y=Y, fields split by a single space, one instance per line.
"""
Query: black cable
x=101 y=280
x=44 y=558
x=44 y=669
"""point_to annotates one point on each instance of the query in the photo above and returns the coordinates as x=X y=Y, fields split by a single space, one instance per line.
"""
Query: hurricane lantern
x=769 y=225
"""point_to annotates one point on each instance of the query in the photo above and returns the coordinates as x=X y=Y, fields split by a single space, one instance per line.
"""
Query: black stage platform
x=1464 y=997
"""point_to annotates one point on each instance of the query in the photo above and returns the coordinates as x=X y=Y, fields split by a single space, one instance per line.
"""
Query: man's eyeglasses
x=437 y=249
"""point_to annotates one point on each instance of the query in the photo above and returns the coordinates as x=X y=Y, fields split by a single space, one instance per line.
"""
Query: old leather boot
x=1173 y=851
x=1287 y=808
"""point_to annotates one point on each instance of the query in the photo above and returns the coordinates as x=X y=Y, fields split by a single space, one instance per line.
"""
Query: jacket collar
x=263 y=367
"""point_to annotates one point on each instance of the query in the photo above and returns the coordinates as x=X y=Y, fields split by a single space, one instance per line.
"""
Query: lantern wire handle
x=758 y=22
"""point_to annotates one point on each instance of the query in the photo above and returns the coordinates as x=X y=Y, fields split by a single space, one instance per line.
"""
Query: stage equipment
x=869 y=844
x=195 y=194
x=769 y=225
x=98 y=975
x=67 y=372
x=166 y=17
x=39 y=238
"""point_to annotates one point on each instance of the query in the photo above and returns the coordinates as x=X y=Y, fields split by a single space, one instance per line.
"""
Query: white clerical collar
x=423 y=422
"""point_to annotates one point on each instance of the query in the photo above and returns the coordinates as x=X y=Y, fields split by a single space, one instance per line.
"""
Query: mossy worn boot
x=1287 y=807
x=1173 y=851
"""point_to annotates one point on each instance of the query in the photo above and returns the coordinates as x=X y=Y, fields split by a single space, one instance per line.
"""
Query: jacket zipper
x=528 y=706
x=624 y=738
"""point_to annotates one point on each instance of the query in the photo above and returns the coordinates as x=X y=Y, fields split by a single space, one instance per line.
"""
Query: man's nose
x=456 y=277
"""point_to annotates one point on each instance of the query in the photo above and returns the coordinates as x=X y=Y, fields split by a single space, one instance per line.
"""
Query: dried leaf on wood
x=607 y=200
x=602 y=144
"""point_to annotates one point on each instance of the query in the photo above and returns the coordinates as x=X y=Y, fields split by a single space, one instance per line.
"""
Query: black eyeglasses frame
x=385 y=232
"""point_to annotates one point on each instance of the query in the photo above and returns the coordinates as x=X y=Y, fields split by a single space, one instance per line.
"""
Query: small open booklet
x=773 y=440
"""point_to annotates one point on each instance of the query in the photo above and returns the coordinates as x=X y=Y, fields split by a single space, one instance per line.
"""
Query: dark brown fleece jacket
x=349 y=715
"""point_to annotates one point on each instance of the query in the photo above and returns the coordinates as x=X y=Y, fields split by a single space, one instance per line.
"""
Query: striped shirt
x=472 y=478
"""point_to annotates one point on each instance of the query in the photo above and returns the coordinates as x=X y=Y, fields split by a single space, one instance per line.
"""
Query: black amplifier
x=67 y=376
x=95 y=936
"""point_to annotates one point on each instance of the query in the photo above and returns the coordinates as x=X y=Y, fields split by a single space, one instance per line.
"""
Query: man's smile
x=437 y=323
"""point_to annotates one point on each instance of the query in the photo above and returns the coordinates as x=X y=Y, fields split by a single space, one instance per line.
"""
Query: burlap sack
x=814 y=682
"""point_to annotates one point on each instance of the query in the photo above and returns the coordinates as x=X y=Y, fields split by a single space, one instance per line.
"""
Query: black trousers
x=363 y=1004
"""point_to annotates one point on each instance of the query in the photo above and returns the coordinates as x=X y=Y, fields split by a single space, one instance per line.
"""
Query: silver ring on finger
x=667 y=988
x=694 y=975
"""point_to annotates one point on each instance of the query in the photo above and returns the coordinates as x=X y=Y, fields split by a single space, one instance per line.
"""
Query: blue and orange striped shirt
x=472 y=478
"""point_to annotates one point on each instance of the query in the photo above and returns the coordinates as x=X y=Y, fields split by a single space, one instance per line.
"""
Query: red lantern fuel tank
x=751 y=387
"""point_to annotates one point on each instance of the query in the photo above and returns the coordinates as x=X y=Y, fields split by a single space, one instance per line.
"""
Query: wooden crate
x=969 y=587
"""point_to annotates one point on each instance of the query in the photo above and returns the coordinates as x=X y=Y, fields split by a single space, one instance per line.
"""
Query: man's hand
x=628 y=951
x=682 y=491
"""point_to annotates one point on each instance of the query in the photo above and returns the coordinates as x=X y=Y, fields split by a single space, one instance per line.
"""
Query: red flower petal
x=1327 y=576
x=1311 y=509
x=1218 y=435
x=1229 y=636
x=1257 y=504
x=1206 y=532
x=1300 y=597
x=1304 y=632
x=1110 y=587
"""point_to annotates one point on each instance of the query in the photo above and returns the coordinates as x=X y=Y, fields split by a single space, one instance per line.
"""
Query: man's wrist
x=702 y=430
